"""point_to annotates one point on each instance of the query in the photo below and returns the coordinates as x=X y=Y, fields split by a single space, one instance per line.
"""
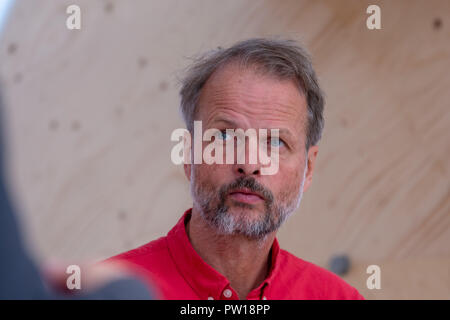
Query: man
x=225 y=247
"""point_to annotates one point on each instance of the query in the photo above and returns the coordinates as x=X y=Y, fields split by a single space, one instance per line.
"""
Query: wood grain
x=90 y=114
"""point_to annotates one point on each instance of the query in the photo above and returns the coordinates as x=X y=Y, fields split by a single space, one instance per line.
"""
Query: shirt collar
x=204 y=279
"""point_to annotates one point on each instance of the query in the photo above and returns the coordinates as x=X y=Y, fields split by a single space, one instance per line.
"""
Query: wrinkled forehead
x=253 y=99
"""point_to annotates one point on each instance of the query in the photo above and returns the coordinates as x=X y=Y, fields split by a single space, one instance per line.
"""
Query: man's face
x=236 y=198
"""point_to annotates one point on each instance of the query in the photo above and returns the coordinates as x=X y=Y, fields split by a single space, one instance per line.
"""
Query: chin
x=242 y=208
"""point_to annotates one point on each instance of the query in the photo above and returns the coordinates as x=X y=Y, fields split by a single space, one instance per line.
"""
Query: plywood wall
x=90 y=114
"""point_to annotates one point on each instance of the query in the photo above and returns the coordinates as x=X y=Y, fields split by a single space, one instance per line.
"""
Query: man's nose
x=248 y=167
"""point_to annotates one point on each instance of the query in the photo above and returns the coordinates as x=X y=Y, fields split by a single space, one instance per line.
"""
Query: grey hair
x=282 y=58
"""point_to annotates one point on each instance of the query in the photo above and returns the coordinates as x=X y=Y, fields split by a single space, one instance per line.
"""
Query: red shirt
x=172 y=264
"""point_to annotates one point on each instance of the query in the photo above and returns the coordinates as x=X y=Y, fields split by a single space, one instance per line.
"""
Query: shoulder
x=151 y=262
x=154 y=247
x=315 y=282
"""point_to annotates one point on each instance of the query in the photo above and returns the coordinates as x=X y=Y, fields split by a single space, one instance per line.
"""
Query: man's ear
x=187 y=154
x=311 y=160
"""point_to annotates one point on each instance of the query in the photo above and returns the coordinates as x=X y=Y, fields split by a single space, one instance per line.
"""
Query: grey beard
x=211 y=205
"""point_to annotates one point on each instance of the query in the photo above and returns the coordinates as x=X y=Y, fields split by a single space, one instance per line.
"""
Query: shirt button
x=210 y=298
x=264 y=298
x=227 y=293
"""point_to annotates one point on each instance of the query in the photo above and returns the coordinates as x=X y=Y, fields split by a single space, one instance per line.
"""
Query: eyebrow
x=282 y=131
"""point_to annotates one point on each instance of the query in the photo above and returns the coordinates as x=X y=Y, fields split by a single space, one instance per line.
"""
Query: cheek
x=287 y=182
x=214 y=171
x=210 y=175
x=200 y=173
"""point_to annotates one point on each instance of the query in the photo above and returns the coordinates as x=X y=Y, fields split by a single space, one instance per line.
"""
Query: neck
x=244 y=262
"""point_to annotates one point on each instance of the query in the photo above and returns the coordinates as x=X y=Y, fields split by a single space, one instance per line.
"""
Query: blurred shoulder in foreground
x=20 y=278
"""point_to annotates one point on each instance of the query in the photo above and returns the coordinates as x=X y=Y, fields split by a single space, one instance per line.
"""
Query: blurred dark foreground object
x=19 y=276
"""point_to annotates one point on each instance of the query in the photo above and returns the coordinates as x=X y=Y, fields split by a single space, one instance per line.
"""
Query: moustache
x=249 y=183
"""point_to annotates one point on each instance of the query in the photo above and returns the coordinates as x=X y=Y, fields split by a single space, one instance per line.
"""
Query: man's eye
x=274 y=142
x=223 y=135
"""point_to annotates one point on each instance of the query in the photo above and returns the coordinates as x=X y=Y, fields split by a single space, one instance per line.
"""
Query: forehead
x=252 y=99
